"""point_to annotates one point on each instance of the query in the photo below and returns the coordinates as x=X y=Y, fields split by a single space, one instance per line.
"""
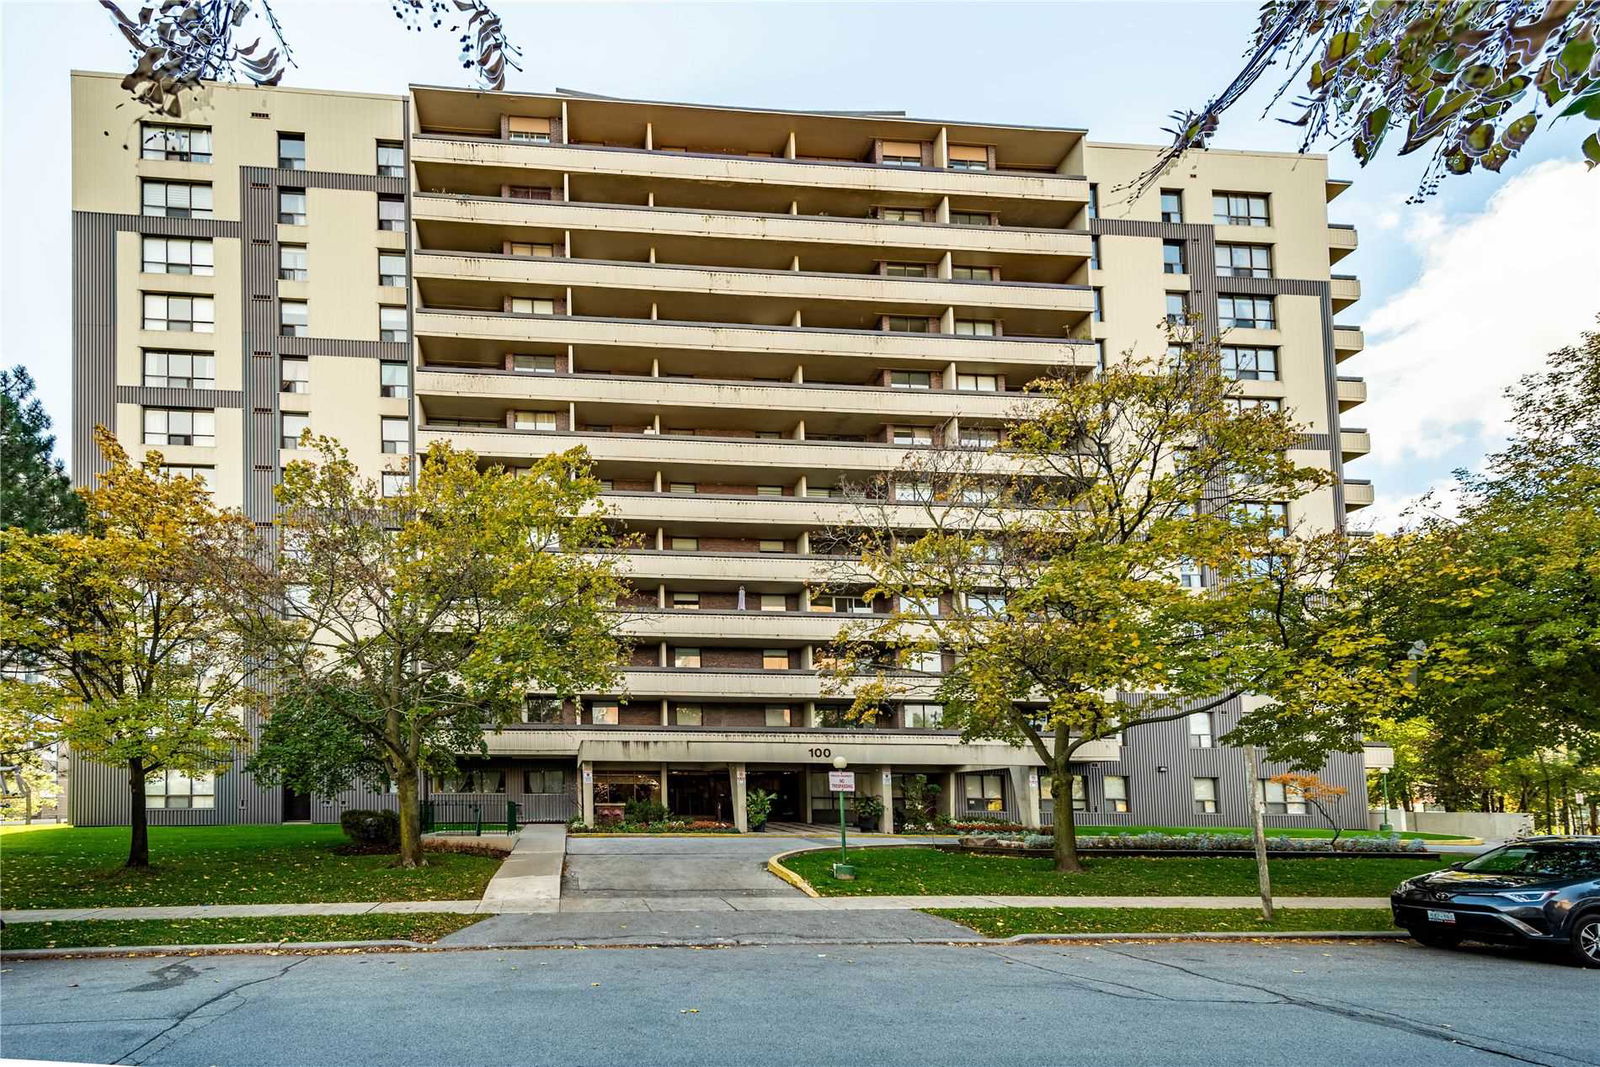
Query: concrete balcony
x=878 y=290
x=753 y=686
x=801 y=399
x=762 y=571
x=1347 y=341
x=727 y=338
x=738 y=627
x=1342 y=240
x=683 y=455
x=1358 y=494
x=932 y=238
x=1344 y=290
x=770 y=172
x=1354 y=444
x=1350 y=392
x=759 y=516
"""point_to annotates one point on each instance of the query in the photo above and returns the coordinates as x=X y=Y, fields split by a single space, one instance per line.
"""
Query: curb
x=322 y=948
x=775 y=866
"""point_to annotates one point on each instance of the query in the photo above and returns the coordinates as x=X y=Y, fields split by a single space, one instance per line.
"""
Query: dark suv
x=1544 y=890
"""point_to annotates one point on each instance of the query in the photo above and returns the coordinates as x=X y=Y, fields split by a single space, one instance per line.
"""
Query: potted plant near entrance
x=758 y=807
x=869 y=810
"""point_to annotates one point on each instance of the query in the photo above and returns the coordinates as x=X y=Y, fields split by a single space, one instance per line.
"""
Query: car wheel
x=1585 y=946
x=1433 y=938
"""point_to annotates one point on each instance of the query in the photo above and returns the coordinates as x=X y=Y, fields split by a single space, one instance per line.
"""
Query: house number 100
x=821 y=753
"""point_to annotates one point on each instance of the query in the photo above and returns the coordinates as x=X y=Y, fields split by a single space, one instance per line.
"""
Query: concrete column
x=789 y=147
x=741 y=818
x=661 y=589
x=941 y=214
x=949 y=803
x=886 y=794
x=666 y=720
x=664 y=766
x=947 y=321
x=649 y=136
x=586 y=791
x=1030 y=800
x=1019 y=793
x=809 y=711
x=941 y=148
x=946 y=267
x=798 y=320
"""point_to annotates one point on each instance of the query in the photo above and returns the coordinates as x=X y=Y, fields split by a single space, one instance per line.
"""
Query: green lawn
x=72 y=867
x=1004 y=922
x=96 y=933
x=926 y=871
x=1272 y=831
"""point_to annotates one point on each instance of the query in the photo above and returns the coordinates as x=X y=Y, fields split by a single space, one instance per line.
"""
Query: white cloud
x=1496 y=292
x=1390 y=512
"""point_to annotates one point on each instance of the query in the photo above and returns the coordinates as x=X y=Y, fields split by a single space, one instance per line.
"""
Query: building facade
x=737 y=312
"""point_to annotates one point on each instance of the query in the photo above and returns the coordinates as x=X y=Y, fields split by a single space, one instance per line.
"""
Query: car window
x=1553 y=861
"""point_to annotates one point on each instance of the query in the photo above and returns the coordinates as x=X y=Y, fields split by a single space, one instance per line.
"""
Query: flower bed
x=667 y=826
x=1125 y=844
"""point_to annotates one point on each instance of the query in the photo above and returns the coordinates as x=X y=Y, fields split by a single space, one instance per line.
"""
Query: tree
x=1045 y=576
x=127 y=631
x=1471 y=80
x=1324 y=796
x=35 y=492
x=398 y=627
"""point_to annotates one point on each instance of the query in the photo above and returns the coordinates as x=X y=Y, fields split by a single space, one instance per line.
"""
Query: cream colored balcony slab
x=1342 y=240
x=690 y=393
x=757 y=686
x=726 y=569
x=1354 y=443
x=789 y=285
x=711 y=627
x=1344 y=291
x=1351 y=391
x=1347 y=341
x=731 y=338
x=1358 y=495
x=684 y=511
x=744 y=170
x=784 y=229
x=794 y=746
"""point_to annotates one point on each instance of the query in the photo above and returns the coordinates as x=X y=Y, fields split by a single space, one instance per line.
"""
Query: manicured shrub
x=643 y=811
x=371 y=829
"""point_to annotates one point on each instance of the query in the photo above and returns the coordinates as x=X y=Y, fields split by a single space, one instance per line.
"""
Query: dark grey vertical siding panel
x=178 y=398
x=344 y=346
x=258 y=300
x=94 y=337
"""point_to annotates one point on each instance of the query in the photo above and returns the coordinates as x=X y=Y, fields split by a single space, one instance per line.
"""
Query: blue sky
x=1460 y=295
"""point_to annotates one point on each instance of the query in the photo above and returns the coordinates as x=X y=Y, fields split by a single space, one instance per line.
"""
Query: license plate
x=1441 y=916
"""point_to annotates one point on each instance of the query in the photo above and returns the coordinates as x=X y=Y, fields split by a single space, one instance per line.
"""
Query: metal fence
x=476 y=813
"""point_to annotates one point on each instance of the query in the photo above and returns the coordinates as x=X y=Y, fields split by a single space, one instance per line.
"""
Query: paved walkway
x=530 y=878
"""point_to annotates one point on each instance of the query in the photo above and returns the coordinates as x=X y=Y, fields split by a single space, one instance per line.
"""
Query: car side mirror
x=1456 y=866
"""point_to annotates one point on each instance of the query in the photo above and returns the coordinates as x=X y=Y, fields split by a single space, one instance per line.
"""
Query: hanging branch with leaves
x=1471 y=80
x=484 y=43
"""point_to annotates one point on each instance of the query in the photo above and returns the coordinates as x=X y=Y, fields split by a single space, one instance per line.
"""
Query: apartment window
x=1172 y=258
x=1280 y=799
x=1191 y=575
x=901 y=154
x=777 y=714
x=200 y=472
x=1171 y=205
x=1116 y=789
x=971 y=218
x=294 y=318
x=906 y=270
x=920 y=606
x=180 y=144
x=526 y=364
x=395 y=435
x=179 y=314
x=774 y=659
x=911 y=435
x=979 y=437
x=913 y=492
x=292 y=207
x=178 y=255
x=1244 y=261
x=394 y=483
x=923 y=716
x=394 y=379
x=1094 y=200
x=1080 y=793
x=689 y=715
x=392 y=324
x=547 y=780
x=527 y=129
x=534 y=420
x=1250 y=363
x=603 y=713
x=392 y=213
x=1099 y=347
x=968 y=164
x=902 y=214
x=686 y=658
x=851 y=605
x=769 y=490
x=1205 y=796
x=523 y=305
x=686 y=601
x=680 y=487
x=1274 y=514
x=291 y=151
x=983 y=792
x=770 y=545
x=294 y=263
x=179 y=426
x=975 y=327
x=180 y=370
x=910 y=379
x=294 y=375
x=972 y=274
x=530 y=192
x=926 y=662
x=978 y=383
x=391 y=268
x=1094 y=251
x=1239 y=209
x=1200 y=729
x=1177 y=308
x=1246 y=312
x=774 y=602
x=986 y=605
x=391 y=159
x=176 y=200
x=174 y=789
x=527 y=248
x=1240 y=404
x=905 y=324
x=684 y=544
x=291 y=427
x=1098 y=313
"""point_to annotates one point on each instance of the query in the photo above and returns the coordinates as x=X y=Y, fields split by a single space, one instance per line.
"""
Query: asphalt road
x=1176 y=1003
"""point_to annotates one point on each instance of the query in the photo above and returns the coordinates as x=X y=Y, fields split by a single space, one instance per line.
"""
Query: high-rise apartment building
x=737 y=311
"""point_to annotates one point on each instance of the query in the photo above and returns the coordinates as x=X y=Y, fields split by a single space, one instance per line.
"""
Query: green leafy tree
x=35 y=492
x=126 y=630
x=397 y=628
x=1471 y=82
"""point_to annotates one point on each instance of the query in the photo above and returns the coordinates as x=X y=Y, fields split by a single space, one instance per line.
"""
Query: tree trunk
x=138 y=817
x=1065 y=821
x=410 y=818
x=1259 y=827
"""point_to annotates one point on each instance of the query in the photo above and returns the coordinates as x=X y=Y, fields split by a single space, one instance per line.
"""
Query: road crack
x=129 y=1057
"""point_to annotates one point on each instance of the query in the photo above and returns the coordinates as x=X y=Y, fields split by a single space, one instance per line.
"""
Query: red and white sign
x=842 y=781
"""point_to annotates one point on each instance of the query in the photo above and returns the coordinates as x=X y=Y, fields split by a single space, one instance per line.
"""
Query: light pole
x=1385 y=826
x=839 y=764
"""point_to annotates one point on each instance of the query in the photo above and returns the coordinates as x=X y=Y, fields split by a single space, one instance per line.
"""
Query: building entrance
x=788 y=790
x=700 y=794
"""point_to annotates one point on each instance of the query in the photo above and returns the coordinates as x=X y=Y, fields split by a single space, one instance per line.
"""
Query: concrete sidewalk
x=530 y=878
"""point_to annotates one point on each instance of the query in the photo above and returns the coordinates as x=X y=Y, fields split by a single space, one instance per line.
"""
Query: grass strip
x=119 y=933
x=1006 y=922
x=1319 y=833
x=929 y=872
